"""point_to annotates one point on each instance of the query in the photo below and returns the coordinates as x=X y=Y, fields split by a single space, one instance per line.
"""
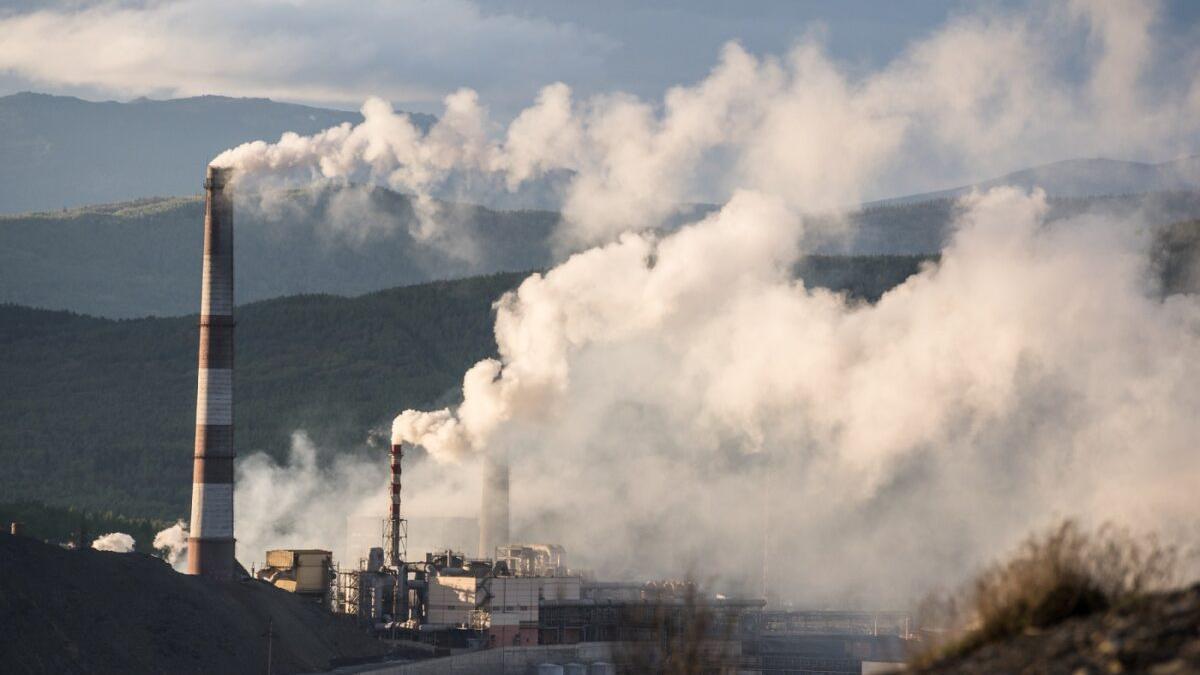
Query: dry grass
x=1061 y=573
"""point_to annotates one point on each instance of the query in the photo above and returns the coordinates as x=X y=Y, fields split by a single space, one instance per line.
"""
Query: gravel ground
x=86 y=611
x=1159 y=635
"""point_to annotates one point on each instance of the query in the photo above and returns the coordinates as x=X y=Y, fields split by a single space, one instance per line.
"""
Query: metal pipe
x=211 y=541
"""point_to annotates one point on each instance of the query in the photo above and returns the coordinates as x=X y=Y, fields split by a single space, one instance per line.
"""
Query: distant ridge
x=62 y=152
x=1073 y=178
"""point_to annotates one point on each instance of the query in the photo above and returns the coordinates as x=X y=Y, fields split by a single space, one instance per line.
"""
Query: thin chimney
x=493 y=507
x=211 y=542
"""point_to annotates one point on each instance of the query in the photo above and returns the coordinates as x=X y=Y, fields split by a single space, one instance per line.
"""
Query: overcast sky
x=334 y=53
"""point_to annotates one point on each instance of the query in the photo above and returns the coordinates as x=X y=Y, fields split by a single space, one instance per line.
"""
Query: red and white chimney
x=211 y=542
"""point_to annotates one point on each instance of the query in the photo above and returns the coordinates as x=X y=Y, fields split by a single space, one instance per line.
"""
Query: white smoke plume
x=660 y=395
x=666 y=397
x=173 y=544
x=987 y=93
x=317 y=495
x=304 y=502
x=117 y=542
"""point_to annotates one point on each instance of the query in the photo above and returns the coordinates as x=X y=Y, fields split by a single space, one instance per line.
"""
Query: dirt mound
x=1159 y=634
x=91 y=611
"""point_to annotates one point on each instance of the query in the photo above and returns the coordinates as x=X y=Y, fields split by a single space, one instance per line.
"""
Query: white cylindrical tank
x=549 y=669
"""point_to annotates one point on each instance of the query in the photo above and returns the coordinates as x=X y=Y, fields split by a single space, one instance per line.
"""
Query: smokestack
x=493 y=507
x=211 y=543
x=394 y=556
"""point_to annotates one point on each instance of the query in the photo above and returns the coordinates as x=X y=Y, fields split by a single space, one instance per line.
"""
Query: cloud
x=313 y=50
x=986 y=93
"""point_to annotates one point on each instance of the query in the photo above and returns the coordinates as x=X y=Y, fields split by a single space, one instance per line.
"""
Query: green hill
x=98 y=413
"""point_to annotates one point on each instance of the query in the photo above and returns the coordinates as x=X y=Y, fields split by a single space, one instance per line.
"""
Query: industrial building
x=514 y=607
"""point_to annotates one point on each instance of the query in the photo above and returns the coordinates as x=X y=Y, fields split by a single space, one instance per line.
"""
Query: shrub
x=1063 y=572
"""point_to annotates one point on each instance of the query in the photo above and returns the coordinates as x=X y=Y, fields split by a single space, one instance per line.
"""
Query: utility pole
x=270 y=635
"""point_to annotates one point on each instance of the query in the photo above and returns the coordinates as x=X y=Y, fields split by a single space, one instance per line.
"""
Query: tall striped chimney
x=211 y=543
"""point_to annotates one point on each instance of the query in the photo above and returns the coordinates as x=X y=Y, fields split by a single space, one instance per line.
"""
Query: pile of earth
x=1158 y=634
x=86 y=611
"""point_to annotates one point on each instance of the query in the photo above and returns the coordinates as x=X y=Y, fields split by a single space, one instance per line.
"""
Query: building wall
x=560 y=588
x=514 y=599
x=451 y=600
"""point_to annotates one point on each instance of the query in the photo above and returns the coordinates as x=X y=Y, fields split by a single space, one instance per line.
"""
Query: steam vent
x=210 y=546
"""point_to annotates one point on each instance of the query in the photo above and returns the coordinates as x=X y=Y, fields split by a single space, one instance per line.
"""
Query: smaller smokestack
x=493 y=507
x=394 y=557
x=17 y=529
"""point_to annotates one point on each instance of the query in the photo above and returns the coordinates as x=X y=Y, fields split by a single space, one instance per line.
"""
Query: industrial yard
x=506 y=607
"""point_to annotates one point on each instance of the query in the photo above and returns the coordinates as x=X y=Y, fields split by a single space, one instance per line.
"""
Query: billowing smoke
x=675 y=399
x=304 y=502
x=172 y=543
x=320 y=498
x=985 y=94
x=117 y=542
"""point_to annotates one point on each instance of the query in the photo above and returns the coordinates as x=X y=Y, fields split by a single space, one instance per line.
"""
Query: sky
x=414 y=53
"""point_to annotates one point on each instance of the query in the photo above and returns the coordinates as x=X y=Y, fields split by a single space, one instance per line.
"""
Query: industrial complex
x=512 y=607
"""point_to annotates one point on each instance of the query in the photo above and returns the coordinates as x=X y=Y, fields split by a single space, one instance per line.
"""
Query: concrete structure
x=506 y=608
x=303 y=571
x=493 y=506
x=211 y=544
x=533 y=560
x=599 y=659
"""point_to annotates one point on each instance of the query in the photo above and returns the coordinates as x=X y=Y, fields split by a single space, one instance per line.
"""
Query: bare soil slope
x=1159 y=635
x=86 y=611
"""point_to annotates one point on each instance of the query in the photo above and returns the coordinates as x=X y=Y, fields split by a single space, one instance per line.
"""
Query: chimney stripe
x=214 y=397
x=212 y=510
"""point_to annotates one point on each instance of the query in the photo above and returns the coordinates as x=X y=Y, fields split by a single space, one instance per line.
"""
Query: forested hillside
x=98 y=413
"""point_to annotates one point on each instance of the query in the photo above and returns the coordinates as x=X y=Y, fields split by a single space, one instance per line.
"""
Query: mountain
x=1075 y=178
x=62 y=152
x=97 y=413
x=143 y=258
